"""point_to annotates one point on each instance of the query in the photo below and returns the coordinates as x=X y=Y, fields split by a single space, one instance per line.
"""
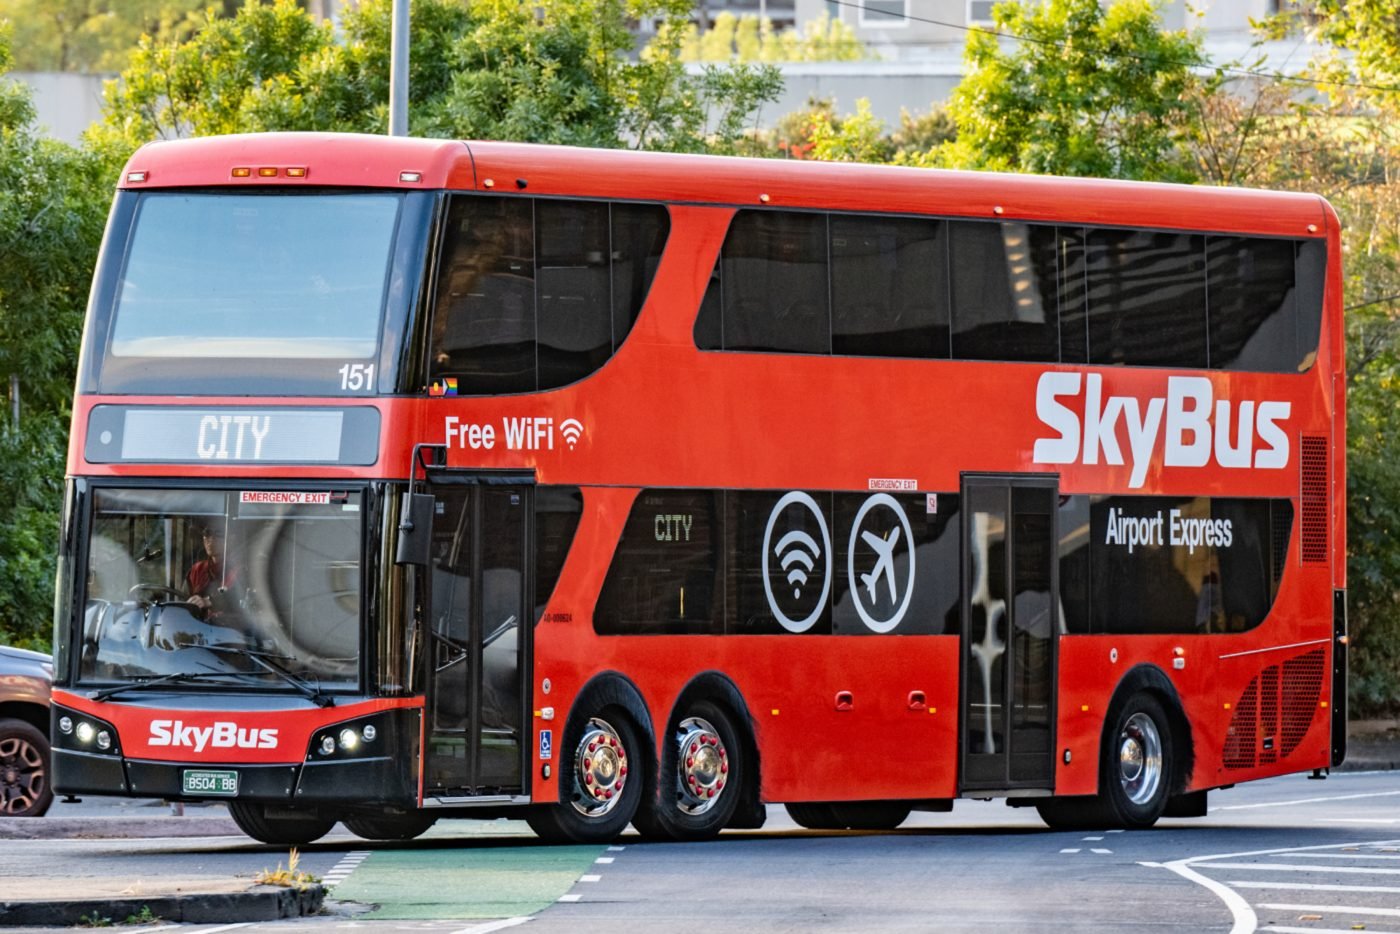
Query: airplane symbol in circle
x=884 y=564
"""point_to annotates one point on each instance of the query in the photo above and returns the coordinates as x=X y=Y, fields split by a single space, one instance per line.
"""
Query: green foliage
x=1089 y=91
x=90 y=35
x=555 y=71
x=818 y=132
x=752 y=39
x=51 y=219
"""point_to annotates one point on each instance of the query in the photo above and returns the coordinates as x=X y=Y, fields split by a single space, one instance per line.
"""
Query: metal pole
x=398 y=71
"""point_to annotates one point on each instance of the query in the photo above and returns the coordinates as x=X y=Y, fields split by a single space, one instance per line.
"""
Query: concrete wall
x=66 y=103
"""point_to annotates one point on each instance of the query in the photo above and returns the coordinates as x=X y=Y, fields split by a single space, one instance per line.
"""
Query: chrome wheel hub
x=702 y=765
x=1140 y=758
x=600 y=769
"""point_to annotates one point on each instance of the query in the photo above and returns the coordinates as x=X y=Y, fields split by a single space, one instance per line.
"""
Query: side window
x=1058 y=256
x=889 y=286
x=538 y=293
x=1253 y=305
x=773 y=284
x=558 y=510
x=1004 y=307
x=484 y=321
x=1147 y=298
x=1310 y=270
x=665 y=575
x=575 y=318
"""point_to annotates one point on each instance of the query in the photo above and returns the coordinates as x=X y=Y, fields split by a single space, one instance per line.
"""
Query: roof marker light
x=242 y=171
x=489 y=183
x=410 y=176
x=296 y=171
x=764 y=198
x=136 y=176
x=998 y=209
x=267 y=171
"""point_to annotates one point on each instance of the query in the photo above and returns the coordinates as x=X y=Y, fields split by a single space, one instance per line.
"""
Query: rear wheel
x=849 y=815
x=814 y=815
x=276 y=825
x=24 y=770
x=404 y=826
x=702 y=774
x=601 y=789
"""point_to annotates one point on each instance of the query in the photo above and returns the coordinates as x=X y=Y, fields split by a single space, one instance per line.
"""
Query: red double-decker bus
x=416 y=478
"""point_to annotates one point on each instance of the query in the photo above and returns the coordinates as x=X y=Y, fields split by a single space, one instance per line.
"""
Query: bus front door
x=1009 y=605
x=479 y=575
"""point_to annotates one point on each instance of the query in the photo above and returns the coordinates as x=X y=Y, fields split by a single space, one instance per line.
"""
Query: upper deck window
x=251 y=293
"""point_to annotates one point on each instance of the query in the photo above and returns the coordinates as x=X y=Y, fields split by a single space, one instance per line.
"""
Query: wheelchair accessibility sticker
x=546 y=744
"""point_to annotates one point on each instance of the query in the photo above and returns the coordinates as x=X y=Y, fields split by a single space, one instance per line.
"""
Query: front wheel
x=702 y=775
x=1137 y=763
x=279 y=826
x=601 y=787
x=404 y=826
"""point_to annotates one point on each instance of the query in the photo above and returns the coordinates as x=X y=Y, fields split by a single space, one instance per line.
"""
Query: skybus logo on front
x=1235 y=437
x=222 y=734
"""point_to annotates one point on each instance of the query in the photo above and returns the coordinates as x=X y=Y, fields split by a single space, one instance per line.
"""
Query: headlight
x=85 y=732
x=348 y=739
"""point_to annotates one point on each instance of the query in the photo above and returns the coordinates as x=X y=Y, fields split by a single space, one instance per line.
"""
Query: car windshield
x=242 y=586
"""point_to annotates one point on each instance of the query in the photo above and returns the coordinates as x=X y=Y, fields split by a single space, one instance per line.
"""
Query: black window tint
x=1058 y=252
x=774 y=283
x=638 y=237
x=889 y=289
x=1002 y=308
x=557 y=513
x=1147 y=298
x=786 y=534
x=1310 y=269
x=1246 y=566
x=665 y=575
x=864 y=605
x=484 y=326
x=575 y=319
x=1253 y=304
x=1074 y=563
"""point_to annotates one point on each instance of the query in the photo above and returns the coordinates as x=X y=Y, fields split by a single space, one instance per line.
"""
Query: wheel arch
x=716 y=687
x=614 y=689
x=36 y=715
x=1152 y=680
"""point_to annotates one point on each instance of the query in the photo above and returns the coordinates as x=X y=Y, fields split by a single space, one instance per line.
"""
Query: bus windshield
x=227 y=286
x=256 y=585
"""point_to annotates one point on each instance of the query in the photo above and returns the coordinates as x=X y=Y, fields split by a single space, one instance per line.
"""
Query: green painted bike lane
x=465 y=877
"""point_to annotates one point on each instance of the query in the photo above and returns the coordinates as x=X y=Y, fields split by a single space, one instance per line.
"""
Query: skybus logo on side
x=222 y=734
x=1239 y=438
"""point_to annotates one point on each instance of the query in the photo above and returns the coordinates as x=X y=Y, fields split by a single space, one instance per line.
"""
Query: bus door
x=1010 y=606
x=477 y=636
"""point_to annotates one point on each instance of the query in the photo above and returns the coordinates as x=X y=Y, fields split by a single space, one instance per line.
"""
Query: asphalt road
x=1283 y=855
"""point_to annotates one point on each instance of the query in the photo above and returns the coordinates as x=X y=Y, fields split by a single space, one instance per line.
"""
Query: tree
x=90 y=35
x=752 y=39
x=1085 y=90
x=51 y=219
x=554 y=71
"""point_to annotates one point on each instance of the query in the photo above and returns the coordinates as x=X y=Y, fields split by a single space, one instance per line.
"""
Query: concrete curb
x=260 y=903
x=111 y=828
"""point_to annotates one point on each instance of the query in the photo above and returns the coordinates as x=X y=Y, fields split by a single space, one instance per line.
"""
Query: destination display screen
x=221 y=435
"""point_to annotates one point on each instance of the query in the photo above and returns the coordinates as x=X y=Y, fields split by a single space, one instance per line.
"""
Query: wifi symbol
x=797 y=548
x=572 y=429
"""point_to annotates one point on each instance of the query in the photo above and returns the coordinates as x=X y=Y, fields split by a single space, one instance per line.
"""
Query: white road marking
x=1315 y=887
x=1289 y=867
x=348 y=864
x=1092 y=838
x=616 y=849
x=490 y=926
x=604 y=859
x=1287 y=930
x=569 y=898
x=1340 y=856
x=1245 y=920
x=225 y=927
x=1070 y=850
x=589 y=878
x=1298 y=801
x=1357 y=820
x=1099 y=850
x=1334 y=909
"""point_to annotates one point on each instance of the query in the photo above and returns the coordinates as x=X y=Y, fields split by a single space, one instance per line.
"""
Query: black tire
x=870 y=815
x=25 y=789
x=1084 y=813
x=1137 y=764
x=285 y=827
x=849 y=815
x=390 y=826
x=701 y=778
x=593 y=808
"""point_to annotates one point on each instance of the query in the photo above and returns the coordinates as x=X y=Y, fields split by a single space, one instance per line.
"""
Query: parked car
x=25 y=680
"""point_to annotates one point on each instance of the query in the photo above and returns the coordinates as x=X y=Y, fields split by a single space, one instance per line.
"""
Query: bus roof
x=339 y=159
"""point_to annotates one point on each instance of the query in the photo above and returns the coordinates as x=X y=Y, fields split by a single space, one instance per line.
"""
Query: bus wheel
x=404 y=826
x=870 y=815
x=24 y=770
x=702 y=773
x=278 y=825
x=601 y=789
x=814 y=815
x=1137 y=763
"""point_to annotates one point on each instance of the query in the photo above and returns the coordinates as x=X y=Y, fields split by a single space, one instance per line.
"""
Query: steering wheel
x=157 y=590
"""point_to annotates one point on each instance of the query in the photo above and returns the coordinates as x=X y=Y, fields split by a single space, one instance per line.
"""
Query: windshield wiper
x=264 y=659
x=172 y=678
